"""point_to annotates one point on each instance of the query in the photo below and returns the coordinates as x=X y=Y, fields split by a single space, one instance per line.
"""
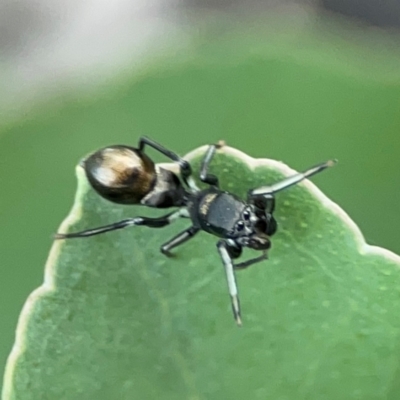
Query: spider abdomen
x=120 y=174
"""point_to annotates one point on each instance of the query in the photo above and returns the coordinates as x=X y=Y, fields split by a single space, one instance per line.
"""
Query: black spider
x=126 y=175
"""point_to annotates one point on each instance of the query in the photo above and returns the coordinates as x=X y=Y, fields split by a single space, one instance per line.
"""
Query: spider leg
x=250 y=262
x=230 y=277
x=184 y=166
x=144 y=221
x=179 y=239
x=291 y=180
x=204 y=175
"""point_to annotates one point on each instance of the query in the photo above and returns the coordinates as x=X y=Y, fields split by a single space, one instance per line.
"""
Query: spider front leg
x=264 y=202
x=227 y=252
x=291 y=180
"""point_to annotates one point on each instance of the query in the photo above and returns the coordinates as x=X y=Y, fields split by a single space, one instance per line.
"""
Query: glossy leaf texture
x=115 y=319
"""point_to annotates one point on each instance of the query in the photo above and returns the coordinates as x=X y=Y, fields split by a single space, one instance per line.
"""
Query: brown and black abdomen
x=120 y=174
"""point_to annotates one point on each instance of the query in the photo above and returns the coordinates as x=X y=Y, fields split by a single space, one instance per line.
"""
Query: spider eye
x=246 y=215
x=240 y=226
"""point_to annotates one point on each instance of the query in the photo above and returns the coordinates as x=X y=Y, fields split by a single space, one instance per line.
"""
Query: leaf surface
x=115 y=319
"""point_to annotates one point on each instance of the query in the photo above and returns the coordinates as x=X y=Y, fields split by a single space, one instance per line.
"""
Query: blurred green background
x=274 y=87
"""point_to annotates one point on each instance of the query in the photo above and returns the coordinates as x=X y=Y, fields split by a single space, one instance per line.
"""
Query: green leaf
x=115 y=319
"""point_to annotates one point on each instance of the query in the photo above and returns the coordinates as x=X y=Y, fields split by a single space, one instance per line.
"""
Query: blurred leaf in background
x=288 y=86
